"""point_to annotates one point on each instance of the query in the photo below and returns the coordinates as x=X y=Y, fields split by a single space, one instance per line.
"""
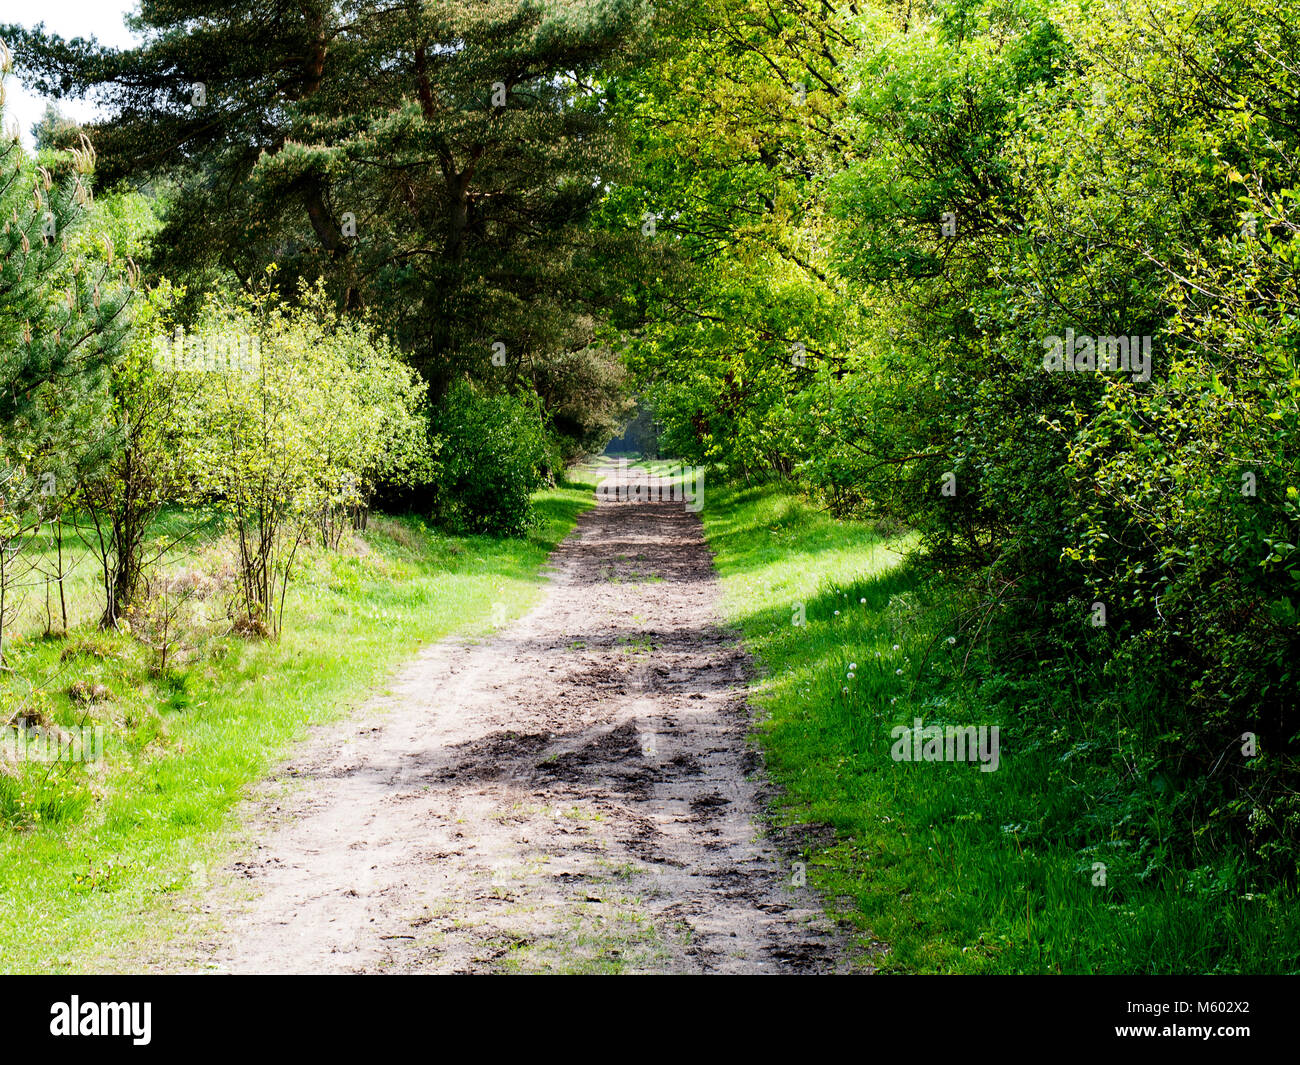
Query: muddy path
x=575 y=792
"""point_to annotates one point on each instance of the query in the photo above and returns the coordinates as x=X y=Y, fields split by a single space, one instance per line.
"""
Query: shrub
x=494 y=450
x=145 y=465
x=305 y=422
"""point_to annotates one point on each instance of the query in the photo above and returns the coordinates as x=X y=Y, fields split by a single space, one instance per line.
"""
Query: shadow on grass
x=750 y=528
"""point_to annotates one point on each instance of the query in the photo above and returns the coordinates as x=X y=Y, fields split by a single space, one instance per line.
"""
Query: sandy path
x=574 y=793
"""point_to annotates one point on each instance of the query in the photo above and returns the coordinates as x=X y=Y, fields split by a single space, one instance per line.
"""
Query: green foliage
x=369 y=146
x=493 y=449
x=63 y=314
x=733 y=308
x=309 y=414
x=54 y=130
x=958 y=870
x=1087 y=182
x=957 y=185
x=146 y=465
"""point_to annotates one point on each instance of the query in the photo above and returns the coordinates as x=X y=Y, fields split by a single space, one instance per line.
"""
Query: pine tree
x=63 y=313
x=55 y=130
x=437 y=161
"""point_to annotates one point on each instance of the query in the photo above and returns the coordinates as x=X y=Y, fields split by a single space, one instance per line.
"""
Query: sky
x=101 y=19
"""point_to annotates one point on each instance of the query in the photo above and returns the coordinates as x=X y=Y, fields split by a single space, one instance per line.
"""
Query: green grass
x=93 y=855
x=955 y=870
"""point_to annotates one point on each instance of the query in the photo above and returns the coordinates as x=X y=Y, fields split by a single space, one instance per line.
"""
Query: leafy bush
x=993 y=178
x=494 y=450
x=145 y=464
x=306 y=421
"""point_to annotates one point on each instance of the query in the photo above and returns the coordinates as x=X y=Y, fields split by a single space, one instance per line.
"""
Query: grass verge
x=92 y=854
x=958 y=870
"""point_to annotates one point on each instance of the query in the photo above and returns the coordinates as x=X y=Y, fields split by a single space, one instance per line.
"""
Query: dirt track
x=575 y=792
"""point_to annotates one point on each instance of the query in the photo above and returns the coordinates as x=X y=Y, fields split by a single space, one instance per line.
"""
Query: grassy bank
x=91 y=854
x=954 y=868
